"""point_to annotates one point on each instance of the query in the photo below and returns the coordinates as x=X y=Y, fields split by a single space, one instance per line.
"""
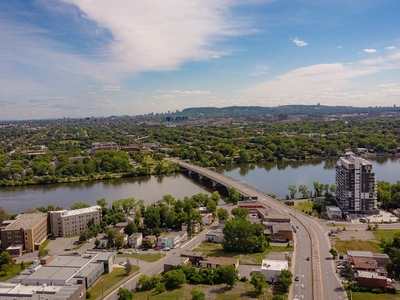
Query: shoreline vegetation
x=61 y=151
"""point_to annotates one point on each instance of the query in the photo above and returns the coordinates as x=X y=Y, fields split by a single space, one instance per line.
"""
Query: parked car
x=156 y=248
x=308 y=258
x=145 y=249
x=296 y=278
x=167 y=249
x=123 y=263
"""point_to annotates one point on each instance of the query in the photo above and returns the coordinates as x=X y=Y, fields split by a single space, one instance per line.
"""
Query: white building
x=271 y=269
x=356 y=184
x=333 y=212
x=68 y=222
x=173 y=240
x=135 y=240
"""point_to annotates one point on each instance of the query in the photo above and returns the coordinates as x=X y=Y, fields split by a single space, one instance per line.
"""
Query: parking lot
x=382 y=217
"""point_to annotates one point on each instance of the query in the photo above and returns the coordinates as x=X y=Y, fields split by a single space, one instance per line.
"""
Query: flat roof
x=222 y=260
x=176 y=261
x=275 y=265
x=67 y=213
x=367 y=274
x=333 y=209
x=190 y=253
x=359 y=253
x=26 y=221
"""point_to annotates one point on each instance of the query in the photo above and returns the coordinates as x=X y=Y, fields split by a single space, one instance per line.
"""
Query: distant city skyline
x=83 y=58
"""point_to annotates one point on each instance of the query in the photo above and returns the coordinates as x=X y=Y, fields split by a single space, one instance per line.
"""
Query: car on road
x=145 y=249
x=123 y=263
x=296 y=278
x=308 y=258
x=167 y=249
x=156 y=248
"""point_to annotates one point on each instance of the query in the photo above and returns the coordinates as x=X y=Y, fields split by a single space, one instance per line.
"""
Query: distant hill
x=286 y=109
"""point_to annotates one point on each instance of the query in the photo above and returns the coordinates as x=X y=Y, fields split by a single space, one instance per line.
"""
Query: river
x=271 y=178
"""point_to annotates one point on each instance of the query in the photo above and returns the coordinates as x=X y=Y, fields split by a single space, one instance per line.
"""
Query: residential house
x=365 y=264
x=216 y=262
x=196 y=226
x=172 y=240
x=174 y=261
x=151 y=239
x=194 y=257
x=215 y=236
x=135 y=240
x=207 y=219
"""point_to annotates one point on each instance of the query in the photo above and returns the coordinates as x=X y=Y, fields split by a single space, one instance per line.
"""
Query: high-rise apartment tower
x=355 y=184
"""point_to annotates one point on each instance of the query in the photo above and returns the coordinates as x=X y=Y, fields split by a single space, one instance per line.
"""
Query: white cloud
x=331 y=84
x=111 y=88
x=390 y=48
x=370 y=50
x=260 y=70
x=339 y=47
x=161 y=35
x=299 y=43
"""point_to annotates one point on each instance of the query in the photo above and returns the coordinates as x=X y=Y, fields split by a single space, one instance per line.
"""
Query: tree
x=334 y=252
x=240 y=212
x=211 y=206
x=197 y=295
x=78 y=205
x=258 y=281
x=152 y=217
x=318 y=188
x=230 y=275
x=160 y=287
x=216 y=196
x=130 y=228
x=128 y=267
x=293 y=190
x=303 y=189
x=124 y=294
x=3 y=215
x=222 y=214
x=43 y=252
x=5 y=259
x=174 y=279
x=233 y=196
x=285 y=279
x=102 y=202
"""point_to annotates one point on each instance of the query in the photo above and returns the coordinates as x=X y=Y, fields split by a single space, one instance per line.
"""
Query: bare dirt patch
x=357 y=234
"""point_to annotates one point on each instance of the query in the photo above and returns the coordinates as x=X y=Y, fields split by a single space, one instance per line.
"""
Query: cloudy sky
x=80 y=58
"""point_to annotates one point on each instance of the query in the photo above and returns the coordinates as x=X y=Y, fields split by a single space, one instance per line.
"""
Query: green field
x=357 y=245
x=303 y=206
x=371 y=296
x=13 y=271
x=148 y=257
x=216 y=250
x=385 y=233
x=108 y=280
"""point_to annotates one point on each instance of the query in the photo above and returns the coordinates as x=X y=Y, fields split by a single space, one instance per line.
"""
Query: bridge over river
x=219 y=182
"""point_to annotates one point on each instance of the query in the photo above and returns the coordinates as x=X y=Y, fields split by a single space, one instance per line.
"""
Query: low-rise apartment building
x=68 y=222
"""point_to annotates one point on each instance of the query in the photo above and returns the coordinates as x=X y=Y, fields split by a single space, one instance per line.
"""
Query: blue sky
x=80 y=58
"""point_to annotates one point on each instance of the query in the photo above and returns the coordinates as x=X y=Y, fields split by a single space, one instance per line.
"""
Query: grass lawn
x=385 y=233
x=371 y=296
x=148 y=257
x=117 y=275
x=44 y=244
x=357 y=245
x=242 y=290
x=306 y=206
x=14 y=270
x=216 y=250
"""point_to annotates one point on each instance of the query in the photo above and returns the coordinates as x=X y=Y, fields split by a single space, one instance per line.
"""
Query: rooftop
x=367 y=274
x=222 y=260
x=275 y=265
x=190 y=253
x=26 y=221
x=176 y=261
x=67 y=213
x=359 y=253
x=333 y=209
